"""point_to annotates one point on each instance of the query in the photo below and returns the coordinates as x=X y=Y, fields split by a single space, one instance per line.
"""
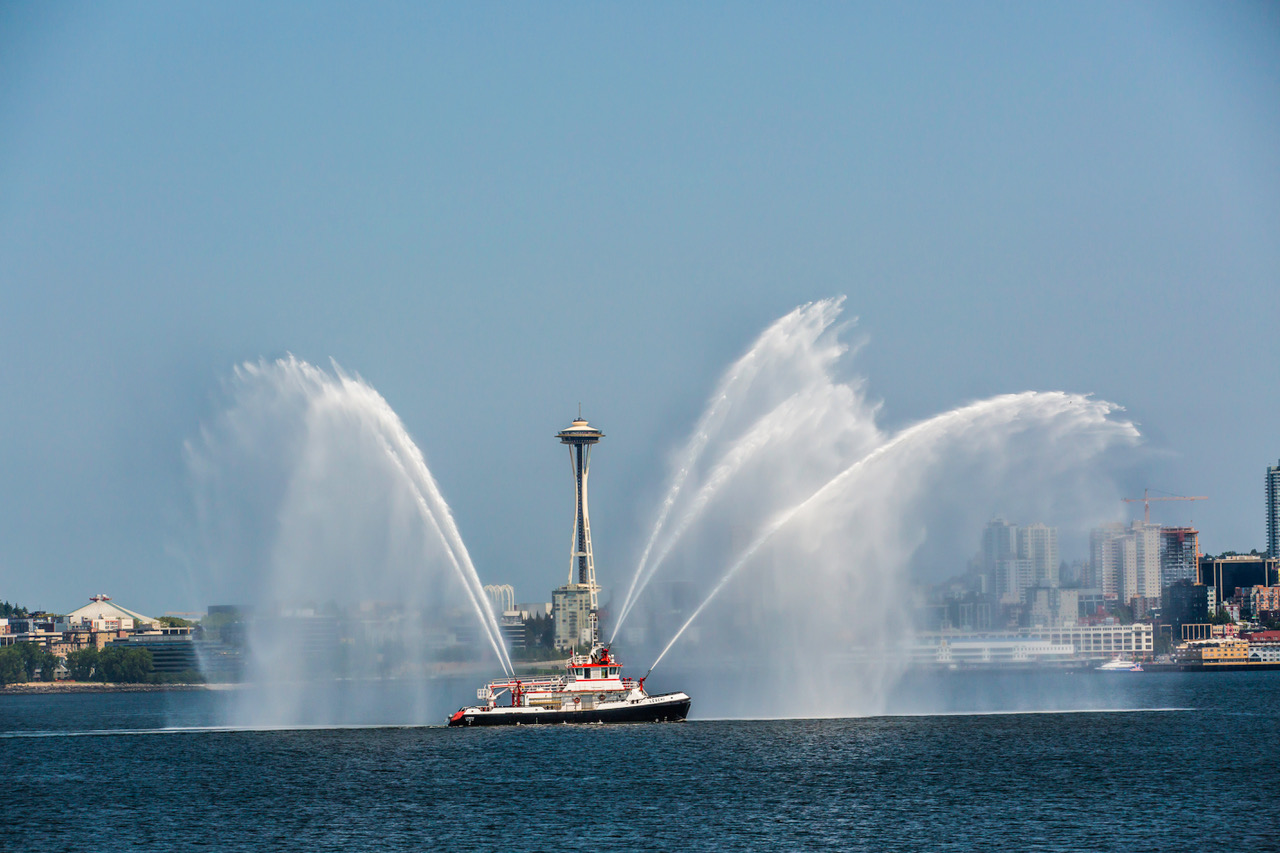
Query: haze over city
x=495 y=214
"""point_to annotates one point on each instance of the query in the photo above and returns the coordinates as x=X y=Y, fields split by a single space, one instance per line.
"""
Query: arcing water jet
x=315 y=503
x=786 y=543
x=781 y=391
x=1052 y=412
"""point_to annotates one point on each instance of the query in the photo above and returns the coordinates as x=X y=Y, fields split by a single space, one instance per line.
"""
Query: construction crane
x=1146 y=500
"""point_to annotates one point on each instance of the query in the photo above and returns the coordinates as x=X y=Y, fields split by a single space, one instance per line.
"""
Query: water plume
x=784 y=388
x=991 y=420
x=785 y=556
x=316 y=509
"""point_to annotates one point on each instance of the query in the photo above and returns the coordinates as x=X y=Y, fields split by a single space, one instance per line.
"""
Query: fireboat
x=592 y=690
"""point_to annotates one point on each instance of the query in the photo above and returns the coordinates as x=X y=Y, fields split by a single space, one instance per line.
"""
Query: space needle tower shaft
x=580 y=436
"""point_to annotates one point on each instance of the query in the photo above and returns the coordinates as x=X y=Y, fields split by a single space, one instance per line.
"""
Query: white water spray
x=781 y=390
x=314 y=503
x=794 y=529
x=1054 y=412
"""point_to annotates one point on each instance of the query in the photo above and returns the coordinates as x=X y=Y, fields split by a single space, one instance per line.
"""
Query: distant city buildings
x=1228 y=573
x=1128 y=561
x=101 y=623
x=1017 y=559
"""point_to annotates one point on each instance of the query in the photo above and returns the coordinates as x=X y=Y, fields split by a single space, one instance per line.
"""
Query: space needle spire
x=580 y=436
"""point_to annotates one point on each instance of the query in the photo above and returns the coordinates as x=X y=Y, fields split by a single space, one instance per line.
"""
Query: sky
x=495 y=212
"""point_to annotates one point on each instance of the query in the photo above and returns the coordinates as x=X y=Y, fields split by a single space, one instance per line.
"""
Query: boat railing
x=529 y=684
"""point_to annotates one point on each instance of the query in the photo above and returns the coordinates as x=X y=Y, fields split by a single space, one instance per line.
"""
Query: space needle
x=580 y=436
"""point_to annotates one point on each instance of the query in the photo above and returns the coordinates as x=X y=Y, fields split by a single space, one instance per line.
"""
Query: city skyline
x=455 y=204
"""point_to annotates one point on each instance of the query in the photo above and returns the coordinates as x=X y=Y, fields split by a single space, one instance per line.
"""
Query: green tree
x=175 y=622
x=20 y=662
x=11 y=668
x=125 y=666
x=187 y=676
x=83 y=663
x=47 y=662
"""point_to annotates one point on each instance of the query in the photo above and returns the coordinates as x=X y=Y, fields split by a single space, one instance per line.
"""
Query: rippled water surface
x=148 y=772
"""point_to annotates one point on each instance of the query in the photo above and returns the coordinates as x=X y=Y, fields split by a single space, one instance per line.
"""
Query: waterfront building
x=1264 y=651
x=993 y=650
x=1102 y=641
x=1273 y=510
x=1216 y=651
x=1046 y=643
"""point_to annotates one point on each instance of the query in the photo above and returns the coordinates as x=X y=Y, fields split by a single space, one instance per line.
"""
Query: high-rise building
x=999 y=542
x=1104 y=558
x=1147 y=553
x=1039 y=544
x=1126 y=561
x=1273 y=510
x=1018 y=558
x=999 y=548
x=1179 y=555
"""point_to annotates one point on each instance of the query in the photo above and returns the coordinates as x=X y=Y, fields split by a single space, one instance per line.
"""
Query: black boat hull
x=673 y=711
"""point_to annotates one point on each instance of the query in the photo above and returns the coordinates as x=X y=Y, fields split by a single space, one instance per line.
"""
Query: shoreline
x=44 y=688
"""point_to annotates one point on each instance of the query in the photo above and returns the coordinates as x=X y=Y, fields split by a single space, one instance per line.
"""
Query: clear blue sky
x=493 y=212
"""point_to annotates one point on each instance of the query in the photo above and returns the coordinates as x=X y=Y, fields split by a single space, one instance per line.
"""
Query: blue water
x=1198 y=767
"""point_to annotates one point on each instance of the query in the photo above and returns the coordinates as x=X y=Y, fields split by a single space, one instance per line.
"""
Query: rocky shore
x=43 y=688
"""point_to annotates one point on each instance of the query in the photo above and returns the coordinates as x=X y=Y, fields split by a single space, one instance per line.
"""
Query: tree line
x=24 y=662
